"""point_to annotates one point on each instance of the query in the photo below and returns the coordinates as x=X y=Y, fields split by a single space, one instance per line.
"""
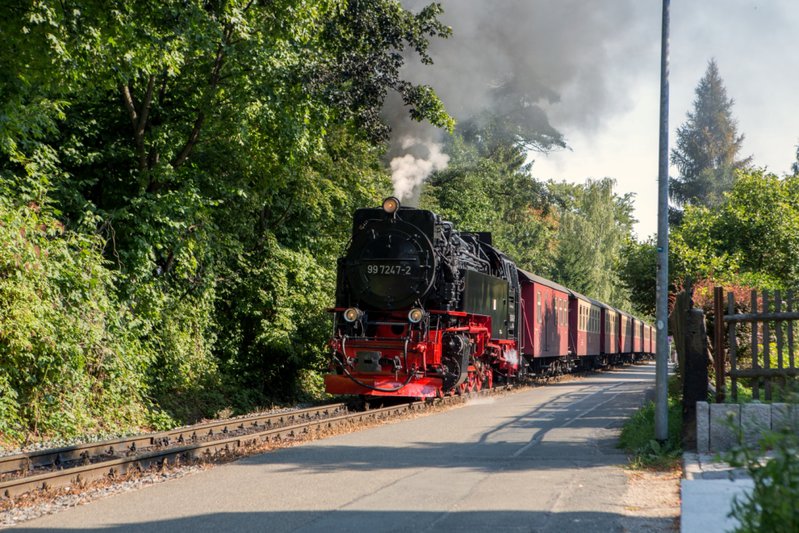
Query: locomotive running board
x=426 y=387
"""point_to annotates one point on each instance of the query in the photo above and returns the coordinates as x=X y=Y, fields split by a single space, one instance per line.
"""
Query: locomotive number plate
x=388 y=270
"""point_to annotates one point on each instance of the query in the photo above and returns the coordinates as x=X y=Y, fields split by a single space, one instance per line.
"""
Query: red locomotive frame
x=414 y=352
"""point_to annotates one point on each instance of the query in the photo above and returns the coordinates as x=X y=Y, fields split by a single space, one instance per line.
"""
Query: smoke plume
x=409 y=171
x=570 y=61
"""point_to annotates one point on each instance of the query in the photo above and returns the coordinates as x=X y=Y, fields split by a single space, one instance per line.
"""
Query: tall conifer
x=707 y=145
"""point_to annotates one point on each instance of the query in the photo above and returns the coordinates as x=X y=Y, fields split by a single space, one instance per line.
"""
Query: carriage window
x=555 y=308
x=538 y=307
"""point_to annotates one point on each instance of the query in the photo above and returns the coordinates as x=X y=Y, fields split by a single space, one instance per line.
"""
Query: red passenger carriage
x=638 y=336
x=609 y=338
x=625 y=334
x=584 y=327
x=544 y=320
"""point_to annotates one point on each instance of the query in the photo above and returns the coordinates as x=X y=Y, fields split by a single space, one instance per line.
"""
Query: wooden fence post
x=695 y=384
x=718 y=342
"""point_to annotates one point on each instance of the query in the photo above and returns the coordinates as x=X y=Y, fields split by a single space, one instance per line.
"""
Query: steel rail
x=139 y=457
x=84 y=453
x=117 y=468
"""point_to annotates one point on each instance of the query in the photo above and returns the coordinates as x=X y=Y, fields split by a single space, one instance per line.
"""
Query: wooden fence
x=771 y=319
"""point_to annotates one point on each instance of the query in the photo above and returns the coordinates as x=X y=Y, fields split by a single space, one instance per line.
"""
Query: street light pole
x=662 y=348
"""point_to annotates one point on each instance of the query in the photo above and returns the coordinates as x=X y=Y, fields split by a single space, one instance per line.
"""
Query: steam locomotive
x=423 y=310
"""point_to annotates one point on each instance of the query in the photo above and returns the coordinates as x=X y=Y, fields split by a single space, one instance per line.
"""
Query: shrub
x=773 y=504
x=69 y=360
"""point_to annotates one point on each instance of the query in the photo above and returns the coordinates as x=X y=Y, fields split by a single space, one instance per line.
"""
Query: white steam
x=409 y=171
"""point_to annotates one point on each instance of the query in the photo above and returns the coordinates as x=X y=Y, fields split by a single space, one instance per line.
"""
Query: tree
x=751 y=239
x=638 y=267
x=795 y=164
x=707 y=146
x=594 y=225
x=513 y=120
x=488 y=186
x=214 y=151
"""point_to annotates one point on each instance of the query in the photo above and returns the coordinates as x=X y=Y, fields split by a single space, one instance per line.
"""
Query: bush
x=70 y=362
x=773 y=504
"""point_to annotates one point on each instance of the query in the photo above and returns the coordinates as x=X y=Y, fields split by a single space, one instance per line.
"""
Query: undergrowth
x=638 y=436
x=773 y=503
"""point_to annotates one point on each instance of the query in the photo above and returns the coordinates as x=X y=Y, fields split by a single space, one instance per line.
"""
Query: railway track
x=82 y=463
x=117 y=459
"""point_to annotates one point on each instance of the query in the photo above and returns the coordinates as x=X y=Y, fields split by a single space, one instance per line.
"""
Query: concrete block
x=702 y=427
x=690 y=465
x=784 y=417
x=755 y=422
x=706 y=504
x=725 y=423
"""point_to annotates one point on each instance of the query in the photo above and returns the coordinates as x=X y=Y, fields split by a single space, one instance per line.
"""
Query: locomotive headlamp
x=352 y=314
x=415 y=315
x=391 y=205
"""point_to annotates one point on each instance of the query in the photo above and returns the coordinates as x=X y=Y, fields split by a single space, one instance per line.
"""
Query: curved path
x=539 y=460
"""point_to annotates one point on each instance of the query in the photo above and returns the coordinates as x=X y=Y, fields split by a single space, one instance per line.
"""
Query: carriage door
x=513 y=302
x=553 y=324
x=540 y=338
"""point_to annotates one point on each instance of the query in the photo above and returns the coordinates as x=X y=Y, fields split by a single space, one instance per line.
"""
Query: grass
x=782 y=390
x=638 y=436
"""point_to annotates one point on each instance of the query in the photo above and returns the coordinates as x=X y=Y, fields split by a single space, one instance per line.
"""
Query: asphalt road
x=539 y=460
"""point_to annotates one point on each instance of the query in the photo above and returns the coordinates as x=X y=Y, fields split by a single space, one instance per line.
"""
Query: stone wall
x=719 y=424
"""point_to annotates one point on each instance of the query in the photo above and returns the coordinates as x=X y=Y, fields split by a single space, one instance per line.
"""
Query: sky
x=595 y=66
x=756 y=47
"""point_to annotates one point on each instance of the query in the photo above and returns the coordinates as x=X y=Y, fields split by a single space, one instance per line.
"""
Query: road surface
x=543 y=459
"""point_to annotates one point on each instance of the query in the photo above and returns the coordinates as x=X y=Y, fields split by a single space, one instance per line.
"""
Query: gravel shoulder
x=655 y=497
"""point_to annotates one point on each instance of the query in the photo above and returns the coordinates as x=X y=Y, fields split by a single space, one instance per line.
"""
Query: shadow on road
x=378 y=521
x=575 y=430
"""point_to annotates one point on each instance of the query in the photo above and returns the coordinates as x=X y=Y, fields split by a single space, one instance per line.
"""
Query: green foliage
x=638 y=266
x=362 y=56
x=773 y=504
x=70 y=357
x=707 y=146
x=753 y=235
x=205 y=159
x=750 y=240
x=594 y=226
